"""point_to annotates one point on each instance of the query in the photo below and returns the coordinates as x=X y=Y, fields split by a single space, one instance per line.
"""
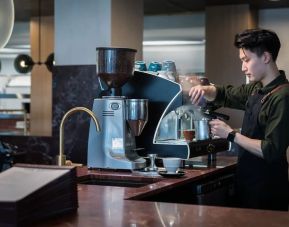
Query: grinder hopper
x=114 y=66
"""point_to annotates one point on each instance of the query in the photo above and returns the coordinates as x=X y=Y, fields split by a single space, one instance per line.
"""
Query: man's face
x=252 y=65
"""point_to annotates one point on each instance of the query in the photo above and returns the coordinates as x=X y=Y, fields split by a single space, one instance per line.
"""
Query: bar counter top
x=120 y=206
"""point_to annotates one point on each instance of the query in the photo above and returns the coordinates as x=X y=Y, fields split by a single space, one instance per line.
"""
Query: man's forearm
x=251 y=145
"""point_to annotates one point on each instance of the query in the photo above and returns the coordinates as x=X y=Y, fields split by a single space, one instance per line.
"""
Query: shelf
x=12 y=119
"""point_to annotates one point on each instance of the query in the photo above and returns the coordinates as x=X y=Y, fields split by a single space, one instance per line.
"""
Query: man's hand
x=197 y=92
x=220 y=128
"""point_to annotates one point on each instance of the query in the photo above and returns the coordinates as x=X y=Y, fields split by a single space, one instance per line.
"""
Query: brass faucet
x=61 y=159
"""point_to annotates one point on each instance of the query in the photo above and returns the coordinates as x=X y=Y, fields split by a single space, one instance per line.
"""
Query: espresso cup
x=155 y=66
x=169 y=66
x=140 y=66
x=171 y=164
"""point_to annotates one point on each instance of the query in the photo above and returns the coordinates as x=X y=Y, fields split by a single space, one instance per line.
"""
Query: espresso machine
x=120 y=118
x=180 y=115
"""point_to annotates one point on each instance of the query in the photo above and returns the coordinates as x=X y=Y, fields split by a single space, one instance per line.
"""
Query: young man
x=262 y=170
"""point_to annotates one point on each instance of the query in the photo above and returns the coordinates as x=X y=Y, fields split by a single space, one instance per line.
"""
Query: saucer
x=166 y=174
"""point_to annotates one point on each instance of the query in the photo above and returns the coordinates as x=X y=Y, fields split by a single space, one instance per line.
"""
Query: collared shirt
x=273 y=118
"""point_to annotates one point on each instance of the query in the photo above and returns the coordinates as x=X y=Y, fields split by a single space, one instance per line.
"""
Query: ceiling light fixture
x=23 y=63
x=6 y=21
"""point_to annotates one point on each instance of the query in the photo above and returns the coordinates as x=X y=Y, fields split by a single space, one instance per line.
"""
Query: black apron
x=259 y=184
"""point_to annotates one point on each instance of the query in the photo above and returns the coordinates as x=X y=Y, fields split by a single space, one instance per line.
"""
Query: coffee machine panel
x=114 y=147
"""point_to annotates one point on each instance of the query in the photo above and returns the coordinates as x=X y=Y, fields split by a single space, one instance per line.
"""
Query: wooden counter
x=117 y=206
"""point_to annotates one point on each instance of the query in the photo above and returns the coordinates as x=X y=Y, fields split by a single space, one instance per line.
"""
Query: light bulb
x=22 y=63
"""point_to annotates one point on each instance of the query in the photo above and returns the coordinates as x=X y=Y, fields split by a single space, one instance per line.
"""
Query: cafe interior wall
x=190 y=28
x=278 y=21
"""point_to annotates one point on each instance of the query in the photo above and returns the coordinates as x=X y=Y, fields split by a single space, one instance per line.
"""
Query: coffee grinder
x=120 y=118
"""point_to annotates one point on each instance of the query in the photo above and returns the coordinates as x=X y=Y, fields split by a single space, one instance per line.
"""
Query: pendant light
x=6 y=21
x=24 y=63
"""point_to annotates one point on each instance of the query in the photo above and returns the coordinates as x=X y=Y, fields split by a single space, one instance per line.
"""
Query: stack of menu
x=29 y=193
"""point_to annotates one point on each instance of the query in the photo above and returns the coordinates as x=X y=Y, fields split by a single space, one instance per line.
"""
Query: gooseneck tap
x=61 y=159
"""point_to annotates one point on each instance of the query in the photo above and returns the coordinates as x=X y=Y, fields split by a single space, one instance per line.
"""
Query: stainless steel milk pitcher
x=202 y=129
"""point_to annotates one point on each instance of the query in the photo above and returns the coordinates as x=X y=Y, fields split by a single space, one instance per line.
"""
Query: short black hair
x=258 y=41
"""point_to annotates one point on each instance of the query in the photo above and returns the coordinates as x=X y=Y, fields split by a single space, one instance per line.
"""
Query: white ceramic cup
x=171 y=164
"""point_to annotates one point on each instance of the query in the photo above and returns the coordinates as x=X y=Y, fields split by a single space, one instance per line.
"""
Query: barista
x=262 y=170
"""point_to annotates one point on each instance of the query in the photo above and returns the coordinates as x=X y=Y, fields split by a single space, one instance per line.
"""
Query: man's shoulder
x=284 y=90
x=282 y=94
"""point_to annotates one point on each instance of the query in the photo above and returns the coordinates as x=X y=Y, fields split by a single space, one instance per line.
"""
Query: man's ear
x=267 y=57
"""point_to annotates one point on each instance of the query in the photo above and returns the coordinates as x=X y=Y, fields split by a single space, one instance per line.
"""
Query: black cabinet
x=218 y=191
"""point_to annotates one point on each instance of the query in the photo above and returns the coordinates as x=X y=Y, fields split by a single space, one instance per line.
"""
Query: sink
x=132 y=182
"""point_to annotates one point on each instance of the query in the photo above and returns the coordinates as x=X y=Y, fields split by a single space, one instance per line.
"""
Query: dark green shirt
x=273 y=117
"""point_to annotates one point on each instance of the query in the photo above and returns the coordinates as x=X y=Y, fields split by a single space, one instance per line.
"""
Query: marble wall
x=74 y=86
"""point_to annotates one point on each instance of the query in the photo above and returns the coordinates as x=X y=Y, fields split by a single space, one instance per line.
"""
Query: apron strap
x=264 y=99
